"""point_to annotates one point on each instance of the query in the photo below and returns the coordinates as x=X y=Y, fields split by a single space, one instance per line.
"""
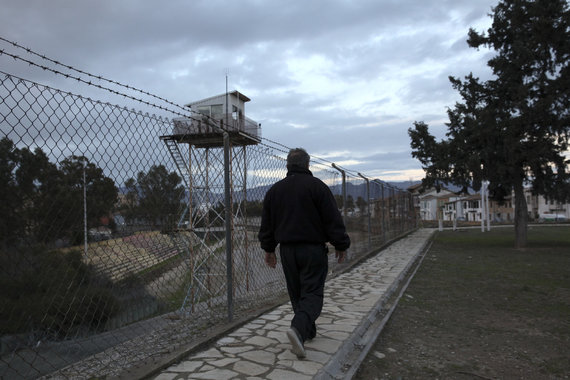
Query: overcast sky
x=343 y=79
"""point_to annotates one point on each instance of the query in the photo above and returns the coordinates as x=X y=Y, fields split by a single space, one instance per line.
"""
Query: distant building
x=447 y=205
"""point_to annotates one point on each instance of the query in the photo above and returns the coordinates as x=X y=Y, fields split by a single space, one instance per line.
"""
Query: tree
x=11 y=222
x=511 y=130
x=361 y=204
x=130 y=206
x=339 y=200
x=61 y=209
x=349 y=203
x=160 y=196
x=42 y=202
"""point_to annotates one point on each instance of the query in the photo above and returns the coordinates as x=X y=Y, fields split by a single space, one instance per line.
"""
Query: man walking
x=300 y=214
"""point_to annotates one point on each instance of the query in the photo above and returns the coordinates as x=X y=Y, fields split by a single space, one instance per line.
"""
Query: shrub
x=52 y=292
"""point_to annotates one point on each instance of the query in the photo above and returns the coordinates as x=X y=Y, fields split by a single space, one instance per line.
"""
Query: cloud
x=345 y=79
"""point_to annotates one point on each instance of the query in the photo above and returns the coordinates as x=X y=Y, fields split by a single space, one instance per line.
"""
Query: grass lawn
x=479 y=309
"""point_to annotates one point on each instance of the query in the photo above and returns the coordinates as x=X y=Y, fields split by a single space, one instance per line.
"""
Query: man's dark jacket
x=301 y=209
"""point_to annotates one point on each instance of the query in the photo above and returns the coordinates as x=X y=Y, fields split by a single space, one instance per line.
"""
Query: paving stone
x=225 y=341
x=262 y=357
x=236 y=349
x=261 y=341
x=280 y=374
x=223 y=362
x=338 y=327
x=307 y=367
x=369 y=302
x=358 y=309
x=337 y=335
x=279 y=336
x=253 y=326
x=330 y=309
x=215 y=374
x=284 y=364
x=272 y=326
x=347 y=301
x=188 y=366
x=211 y=353
x=286 y=355
x=271 y=317
x=317 y=356
x=250 y=368
x=326 y=345
x=166 y=376
x=241 y=332
x=351 y=321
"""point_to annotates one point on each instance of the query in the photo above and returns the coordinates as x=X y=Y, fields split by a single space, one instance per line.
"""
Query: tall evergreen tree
x=511 y=130
x=160 y=195
x=61 y=209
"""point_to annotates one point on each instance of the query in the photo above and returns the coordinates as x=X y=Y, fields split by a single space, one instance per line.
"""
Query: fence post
x=228 y=225
x=343 y=173
x=367 y=206
x=382 y=226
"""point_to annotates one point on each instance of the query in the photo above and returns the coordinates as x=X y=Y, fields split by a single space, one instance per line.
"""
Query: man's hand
x=270 y=259
x=340 y=255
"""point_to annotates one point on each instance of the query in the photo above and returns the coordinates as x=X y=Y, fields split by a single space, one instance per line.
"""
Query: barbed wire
x=274 y=144
x=99 y=77
x=68 y=76
x=155 y=117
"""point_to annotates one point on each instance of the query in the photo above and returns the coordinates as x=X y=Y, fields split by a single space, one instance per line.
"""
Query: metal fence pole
x=382 y=222
x=367 y=207
x=228 y=225
x=343 y=173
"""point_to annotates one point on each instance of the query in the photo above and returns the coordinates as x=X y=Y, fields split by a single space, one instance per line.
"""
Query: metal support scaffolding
x=228 y=225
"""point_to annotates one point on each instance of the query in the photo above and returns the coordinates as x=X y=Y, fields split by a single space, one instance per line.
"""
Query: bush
x=53 y=293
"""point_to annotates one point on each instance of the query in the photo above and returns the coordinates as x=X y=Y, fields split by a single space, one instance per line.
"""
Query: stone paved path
x=260 y=349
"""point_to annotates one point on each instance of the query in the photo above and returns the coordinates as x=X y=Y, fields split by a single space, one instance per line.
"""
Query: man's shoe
x=296 y=343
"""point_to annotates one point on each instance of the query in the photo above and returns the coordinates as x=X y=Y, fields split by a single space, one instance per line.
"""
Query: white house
x=552 y=210
x=431 y=203
x=448 y=206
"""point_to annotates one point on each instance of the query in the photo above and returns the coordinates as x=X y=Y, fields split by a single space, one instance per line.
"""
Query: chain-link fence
x=123 y=235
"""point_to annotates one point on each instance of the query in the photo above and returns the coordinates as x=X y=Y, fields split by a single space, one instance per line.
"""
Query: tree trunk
x=521 y=216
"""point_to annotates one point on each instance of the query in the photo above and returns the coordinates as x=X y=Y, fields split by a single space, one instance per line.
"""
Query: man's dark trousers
x=305 y=267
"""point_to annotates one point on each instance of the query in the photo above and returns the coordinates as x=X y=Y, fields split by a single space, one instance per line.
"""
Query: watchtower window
x=217 y=111
x=204 y=110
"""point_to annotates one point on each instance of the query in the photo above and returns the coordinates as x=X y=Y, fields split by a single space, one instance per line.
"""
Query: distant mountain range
x=353 y=190
x=257 y=193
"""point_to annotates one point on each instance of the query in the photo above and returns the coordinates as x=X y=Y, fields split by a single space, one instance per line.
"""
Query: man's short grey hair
x=298 y=157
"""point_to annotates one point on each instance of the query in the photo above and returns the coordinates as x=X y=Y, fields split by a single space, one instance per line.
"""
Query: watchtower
x=211 y=117
x=209 y=150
